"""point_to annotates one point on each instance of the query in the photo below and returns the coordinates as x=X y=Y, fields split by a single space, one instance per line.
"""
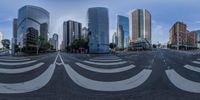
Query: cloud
x=159 y=34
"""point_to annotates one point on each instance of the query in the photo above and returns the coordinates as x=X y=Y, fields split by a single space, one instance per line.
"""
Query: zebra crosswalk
x=183 y=83
x=121 y=85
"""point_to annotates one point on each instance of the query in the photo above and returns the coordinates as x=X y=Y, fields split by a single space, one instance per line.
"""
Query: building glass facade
x=122 y=31
x=34 y=18
x=98 y=26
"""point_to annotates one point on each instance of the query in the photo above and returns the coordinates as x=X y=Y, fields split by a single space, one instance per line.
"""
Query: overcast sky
x=164 y=13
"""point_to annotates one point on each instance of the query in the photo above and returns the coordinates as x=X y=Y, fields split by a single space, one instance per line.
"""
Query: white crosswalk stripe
x=29 y=86
x=122 y=85
x=17 y=63
x=182 y=83
x=102 y=63
x=193 y=68
x=104 y=60
x=20 y=70
x=13 y=60
x=101 y=70
x=196 y=62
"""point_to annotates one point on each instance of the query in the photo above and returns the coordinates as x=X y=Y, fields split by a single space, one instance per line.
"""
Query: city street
x=160 y=74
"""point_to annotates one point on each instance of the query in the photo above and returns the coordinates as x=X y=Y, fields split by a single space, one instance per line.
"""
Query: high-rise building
x=32 y=22
x=122 y=31
x=98 y=25
x=114 y=38
x=1 y=37
x=71 y=32
x=140 y=26
x=14 y=39
x=54 y=41
x=84 y=33
x=177 y=35
x=55 y=38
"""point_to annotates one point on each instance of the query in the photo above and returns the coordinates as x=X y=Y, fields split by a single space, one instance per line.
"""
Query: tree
x=6 y=43
x=77 y=45
x=39 y=42
x=112 y=45
x=154 y=46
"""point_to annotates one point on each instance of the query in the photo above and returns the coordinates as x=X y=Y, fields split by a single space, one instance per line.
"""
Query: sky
x=164 y=14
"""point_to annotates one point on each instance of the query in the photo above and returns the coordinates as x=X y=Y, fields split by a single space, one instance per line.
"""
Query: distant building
x=177 y=35
x=71 y=32
x=122 y=32
x=140 y=29
x=14 y=39
x=181 y=38
x=62 y=46
x=140 y=25
x=114 y=38
x=191 y=40
x=32 y=22
x=55 y=38
x=1 y=38
x=98 y=26
x=198 y=38
x=84 y=33
x=54 y=41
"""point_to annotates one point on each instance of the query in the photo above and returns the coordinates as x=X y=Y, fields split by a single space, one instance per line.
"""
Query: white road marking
x=20 y=70
x=196 y=62
x=14 y=60
x=18 y=63
x=29 y=86
x=193 y=68
x=126 y=84
x=104 y=60
x=183 y=83
x=98 y=63
x=8 y=57
x=101 y=70
x=198 y=59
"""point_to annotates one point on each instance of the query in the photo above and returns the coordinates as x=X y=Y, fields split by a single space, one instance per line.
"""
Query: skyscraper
x=122 y=31
x=54 y=41
x=32 y=22
x=114 y=38
x=98 y=25
x=55 y=38
x=71 y=32
x=14 y=39
x=1 y=37
x=140 y=25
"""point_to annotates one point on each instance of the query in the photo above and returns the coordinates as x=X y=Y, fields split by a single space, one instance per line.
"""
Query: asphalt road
x=160 y=74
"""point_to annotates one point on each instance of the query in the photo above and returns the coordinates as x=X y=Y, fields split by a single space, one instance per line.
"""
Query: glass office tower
x=32 y=22
x=98 y=26
x=122 y=31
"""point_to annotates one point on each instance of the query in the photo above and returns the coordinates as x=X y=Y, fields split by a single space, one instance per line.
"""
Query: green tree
x=112 y=45
x=6 y=43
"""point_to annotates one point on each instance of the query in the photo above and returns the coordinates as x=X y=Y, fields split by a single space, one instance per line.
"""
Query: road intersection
x=146 y=75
